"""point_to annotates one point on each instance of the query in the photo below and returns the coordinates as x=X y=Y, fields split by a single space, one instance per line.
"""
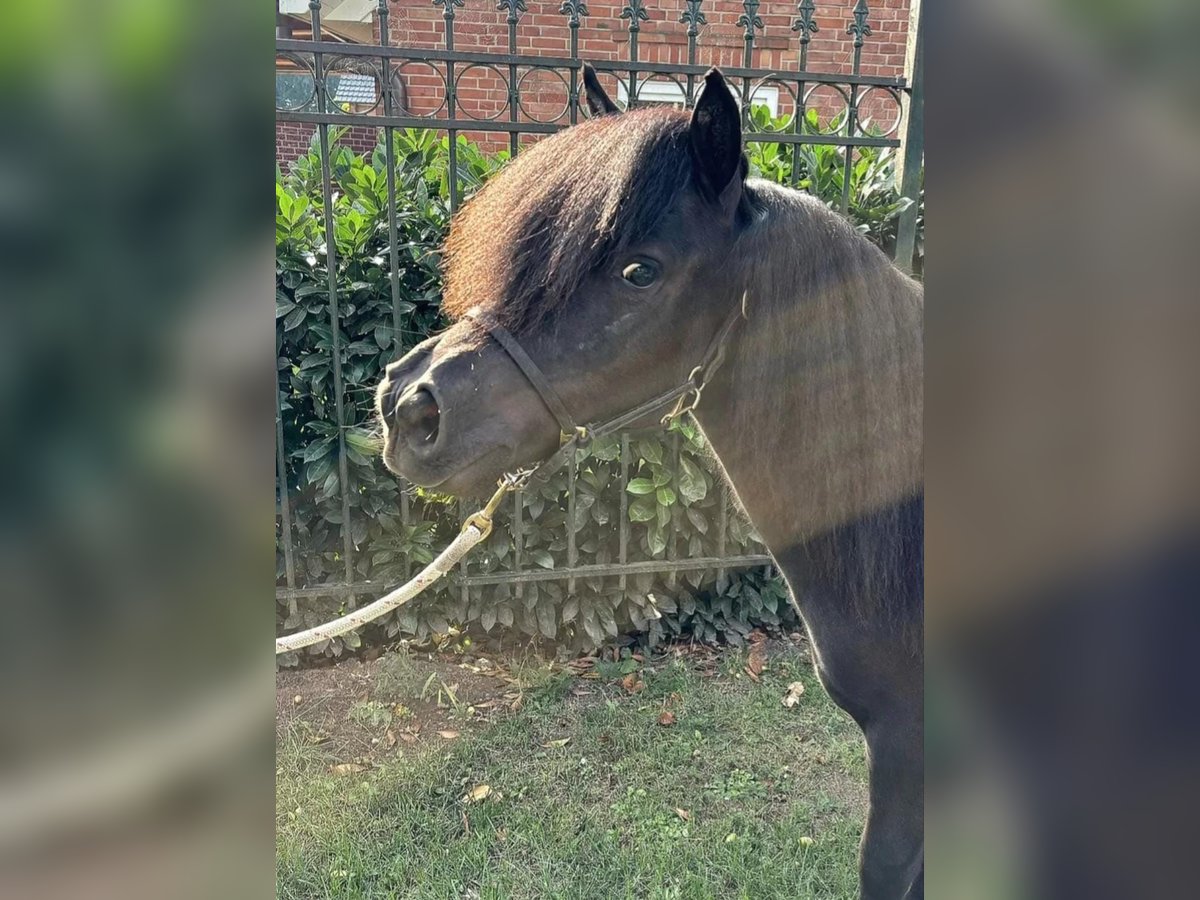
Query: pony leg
x=891 y=864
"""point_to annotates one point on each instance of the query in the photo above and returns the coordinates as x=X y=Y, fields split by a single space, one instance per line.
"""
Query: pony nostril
x=419 y=417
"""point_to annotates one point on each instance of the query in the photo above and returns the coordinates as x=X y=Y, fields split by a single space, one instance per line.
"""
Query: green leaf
x=295 y=318
x=651 y=450
x=542 y=558
x=666 y=496
x=547 y=621
x=692 y=485
x=487 y=618
x=570 y=609
x=593 y=628
x=641 y=486
x=657 y=539
x=643 y=509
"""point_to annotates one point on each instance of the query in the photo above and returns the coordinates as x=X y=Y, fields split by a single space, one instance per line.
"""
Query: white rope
x=471 y=535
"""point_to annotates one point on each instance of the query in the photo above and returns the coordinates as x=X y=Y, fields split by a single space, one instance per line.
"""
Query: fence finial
x=574 y=9
x=750 y=19
x=514 y=7
x=693 y=17
x=859 y=27
x=806 y=24
x=635 y=12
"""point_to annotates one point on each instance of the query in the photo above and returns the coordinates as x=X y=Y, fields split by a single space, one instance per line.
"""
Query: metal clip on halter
x=482 y=520
x=689 y=400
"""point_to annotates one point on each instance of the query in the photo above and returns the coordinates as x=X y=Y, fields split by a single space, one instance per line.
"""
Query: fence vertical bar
x=859 y=28
x=451 y=98
x=465 y=589
x=389 y=155
x=722 y=528
x=515 y=8
x=314 y=7
x=694 y=18
x=914 y=152
x=404 y=521
x=285 y=506
x=749 y=20
x=623 y=525
x=573 y=9
x=518 y=538
x=807 y=26
x=672 y=541
x=572 y=552
x=635 y=12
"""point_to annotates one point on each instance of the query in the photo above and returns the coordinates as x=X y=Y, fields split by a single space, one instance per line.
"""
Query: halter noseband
x=574 y=436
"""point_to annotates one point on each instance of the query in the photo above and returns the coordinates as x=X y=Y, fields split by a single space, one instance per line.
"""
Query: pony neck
x=816 y=416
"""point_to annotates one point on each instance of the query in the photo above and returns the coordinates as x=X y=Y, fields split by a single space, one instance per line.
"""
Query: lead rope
x=479 y=525
x=475 y=529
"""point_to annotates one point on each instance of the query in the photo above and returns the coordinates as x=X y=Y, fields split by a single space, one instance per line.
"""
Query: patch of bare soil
x=360 y=711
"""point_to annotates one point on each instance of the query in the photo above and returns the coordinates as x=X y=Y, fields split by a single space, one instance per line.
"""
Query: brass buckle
x=581 y=437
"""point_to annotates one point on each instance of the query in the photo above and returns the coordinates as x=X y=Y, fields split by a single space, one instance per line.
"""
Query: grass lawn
x=687 y=780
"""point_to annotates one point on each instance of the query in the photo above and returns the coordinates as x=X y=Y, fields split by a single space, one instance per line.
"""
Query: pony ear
x=597 y=100
x=716 y=138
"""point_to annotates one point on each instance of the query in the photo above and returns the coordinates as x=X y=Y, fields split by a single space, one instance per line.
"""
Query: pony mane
x=521 y=246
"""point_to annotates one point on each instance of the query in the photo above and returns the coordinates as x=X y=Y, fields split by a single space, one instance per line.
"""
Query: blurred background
x=136 y=457
x=136 y=449
x=1061 y=433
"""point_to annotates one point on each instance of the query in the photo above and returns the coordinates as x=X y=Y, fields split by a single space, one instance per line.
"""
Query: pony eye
x=640 y=274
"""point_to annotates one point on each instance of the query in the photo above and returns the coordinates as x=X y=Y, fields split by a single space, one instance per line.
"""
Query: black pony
x=613 y=252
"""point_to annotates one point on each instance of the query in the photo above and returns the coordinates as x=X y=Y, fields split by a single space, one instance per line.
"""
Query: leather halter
x=573 y=436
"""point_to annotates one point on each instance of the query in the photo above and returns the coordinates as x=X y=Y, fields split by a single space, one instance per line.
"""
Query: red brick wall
x=543 y=30
x=292 y=139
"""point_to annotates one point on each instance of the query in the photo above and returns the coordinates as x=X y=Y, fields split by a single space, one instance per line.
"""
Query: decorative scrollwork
x=806 y=24
x=859 y=27
x=575 y=9
x=693 y=17
x=750 y=19
x=514 y=7
x=635 y=12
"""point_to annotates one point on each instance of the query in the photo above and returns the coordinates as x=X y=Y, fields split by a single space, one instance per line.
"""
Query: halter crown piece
x=477 y=527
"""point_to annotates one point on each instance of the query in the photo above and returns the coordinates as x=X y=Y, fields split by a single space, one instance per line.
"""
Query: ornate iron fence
x=339 y=74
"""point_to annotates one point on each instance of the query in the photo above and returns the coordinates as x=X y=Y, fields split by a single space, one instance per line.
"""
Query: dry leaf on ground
x=758 y=654
x=448 y=735
x=347 y=768
x=794 y=692
x=561 y=742
x=666 y=717
x=683 y=814
x=478 y=793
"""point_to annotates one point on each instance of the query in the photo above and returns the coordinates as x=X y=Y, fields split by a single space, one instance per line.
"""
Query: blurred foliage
x=673 y=502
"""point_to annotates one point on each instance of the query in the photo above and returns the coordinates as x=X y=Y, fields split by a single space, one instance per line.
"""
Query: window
x=669 y=93
x=294 y=90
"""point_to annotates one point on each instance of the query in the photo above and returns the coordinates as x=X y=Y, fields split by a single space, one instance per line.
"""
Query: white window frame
x=669 y=92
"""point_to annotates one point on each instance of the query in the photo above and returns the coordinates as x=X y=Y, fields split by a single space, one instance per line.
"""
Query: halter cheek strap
x=536 y=377
x=685 y=396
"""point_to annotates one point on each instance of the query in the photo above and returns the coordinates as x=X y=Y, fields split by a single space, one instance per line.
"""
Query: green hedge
x=673 y=495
